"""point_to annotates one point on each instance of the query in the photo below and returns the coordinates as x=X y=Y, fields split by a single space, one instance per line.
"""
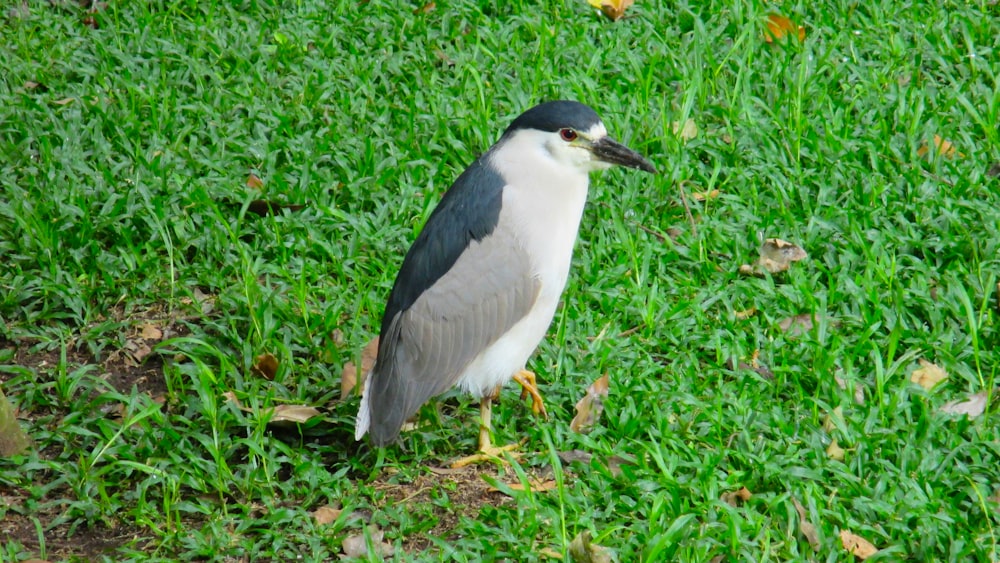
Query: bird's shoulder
x=469 y=210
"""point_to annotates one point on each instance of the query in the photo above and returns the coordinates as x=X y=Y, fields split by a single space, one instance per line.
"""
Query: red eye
x=567 y=135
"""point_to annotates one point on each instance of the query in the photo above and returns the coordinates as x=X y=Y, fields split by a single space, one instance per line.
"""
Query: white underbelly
x=546 y=225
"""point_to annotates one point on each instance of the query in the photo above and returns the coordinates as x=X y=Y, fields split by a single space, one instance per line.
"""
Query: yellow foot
x=495 y=454
x=529 y=388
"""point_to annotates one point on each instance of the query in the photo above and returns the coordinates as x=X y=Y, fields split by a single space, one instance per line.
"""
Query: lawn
x=191 y=188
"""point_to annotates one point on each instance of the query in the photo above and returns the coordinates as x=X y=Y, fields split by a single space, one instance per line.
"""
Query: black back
x=468 y=211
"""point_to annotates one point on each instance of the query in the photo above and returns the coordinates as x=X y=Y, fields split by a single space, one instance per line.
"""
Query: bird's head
x=574 y=135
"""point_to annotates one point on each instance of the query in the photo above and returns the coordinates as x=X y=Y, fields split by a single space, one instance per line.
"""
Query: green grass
x=124 y=199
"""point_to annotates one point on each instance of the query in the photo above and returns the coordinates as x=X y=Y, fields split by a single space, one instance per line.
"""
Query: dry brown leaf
x=779 y=26
x=807 y=528
x=337 y=337
x=538 y=486
x=425 y=9
x=972 y=407
x=449 y=470
x=150 y=332
x=942 y=147
x=834 y=419
x=13 y=439
x=835 y=452
x=613 y=9
x=797 y=325
x=777 y=255
x=64 y=101
x=736 y=498
x=326 y=515
x=705 y=196
x=231 y=397
x=685 y=131
x=356 y=546
x=298 y=414
x=205 y=302
x=590 y=407
x=264 y=208
x=140 y=351
x=857 y=545
x=254 y=182
x=571 y=456
x=859 y=388
x=754 y=365
x=613 y=463
x=266 y=366
x=350 y=375
x=745 y=314
x=31 y=85
x=928 y=375
x=583 y=550
x=550 y=553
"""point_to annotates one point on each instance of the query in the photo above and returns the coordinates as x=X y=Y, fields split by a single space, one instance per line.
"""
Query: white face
x=567 y=147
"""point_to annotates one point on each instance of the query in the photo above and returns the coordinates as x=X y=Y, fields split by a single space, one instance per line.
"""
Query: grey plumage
x=478 y=288
x=436 y=322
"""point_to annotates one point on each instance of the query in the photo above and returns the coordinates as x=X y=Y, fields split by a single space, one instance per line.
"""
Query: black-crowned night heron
x=478 y=288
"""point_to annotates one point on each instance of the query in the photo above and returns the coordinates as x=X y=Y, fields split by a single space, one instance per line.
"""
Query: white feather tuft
x=364 y=419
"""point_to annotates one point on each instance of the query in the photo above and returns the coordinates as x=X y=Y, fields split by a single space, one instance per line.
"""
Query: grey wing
x=428 y=346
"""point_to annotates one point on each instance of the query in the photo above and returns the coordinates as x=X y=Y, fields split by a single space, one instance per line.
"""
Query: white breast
x=542 y=206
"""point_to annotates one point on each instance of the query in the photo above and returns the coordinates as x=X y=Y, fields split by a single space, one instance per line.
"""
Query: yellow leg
x=530 y=388
x=487 y=451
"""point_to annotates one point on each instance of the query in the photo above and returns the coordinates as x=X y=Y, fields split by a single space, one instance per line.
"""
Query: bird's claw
x=495 y=454
x=529 y=387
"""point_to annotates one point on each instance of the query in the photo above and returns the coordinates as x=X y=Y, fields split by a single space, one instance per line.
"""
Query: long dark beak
x=610 y=150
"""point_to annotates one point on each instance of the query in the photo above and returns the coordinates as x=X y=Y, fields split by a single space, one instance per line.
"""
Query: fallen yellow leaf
x=326 y=515
x=150 y=332
x=833 y=419
x=942 y=147
x=705 y=196
x=583 y=550
x=356 y=546
x=835 y=452
x=254 y=182
x=736 y=498
x=613 y=9
x=685 y=131
x=928 y=375
x=859 y=388
x=292 y=413
x=777 y=255
x=807 y=528
x=972 y=407
x=857 y=545
x=536 y=485
x=779 y=26
x=350 y=375
x=590 y=407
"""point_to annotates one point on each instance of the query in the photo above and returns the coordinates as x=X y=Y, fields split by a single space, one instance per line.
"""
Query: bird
x=477 y=290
